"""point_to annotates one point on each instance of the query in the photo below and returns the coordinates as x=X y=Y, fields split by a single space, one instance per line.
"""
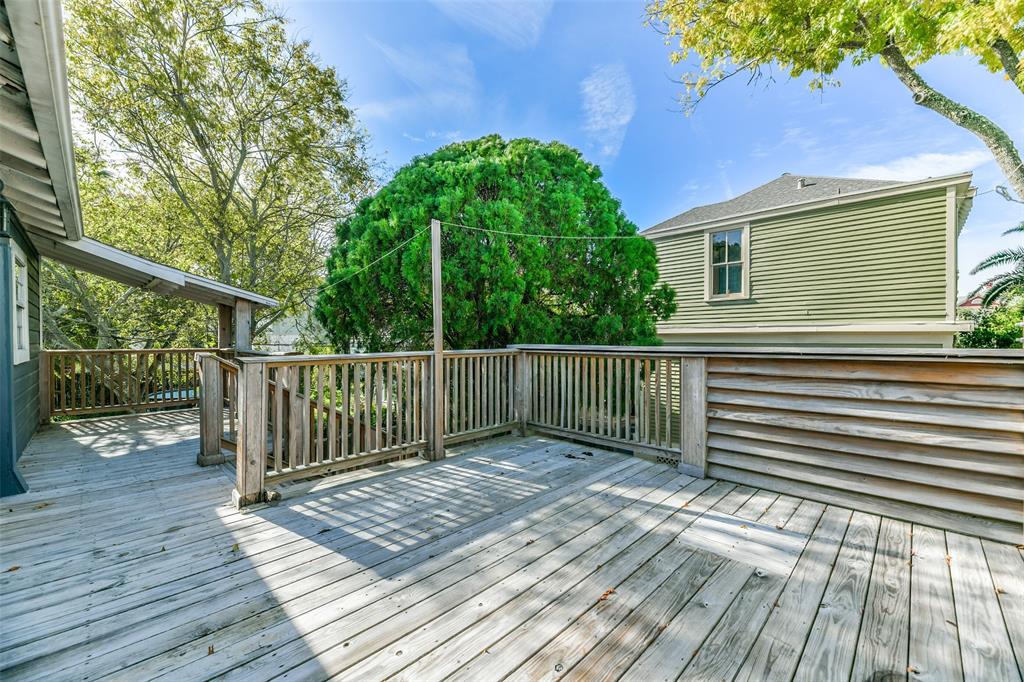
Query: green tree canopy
x=82 y=310
x=231 y=140
x=732 y=37
x=529 y=287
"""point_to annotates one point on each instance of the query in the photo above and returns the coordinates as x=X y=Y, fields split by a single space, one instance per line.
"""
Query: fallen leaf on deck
x=234 y=547
x=12 y=569
x=209 y=650
x=607 y=593
x=42 y=505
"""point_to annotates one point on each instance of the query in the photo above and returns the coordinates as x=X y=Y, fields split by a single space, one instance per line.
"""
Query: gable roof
x=791 y=193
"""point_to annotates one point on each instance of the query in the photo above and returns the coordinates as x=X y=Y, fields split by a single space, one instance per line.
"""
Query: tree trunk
x=994 y=137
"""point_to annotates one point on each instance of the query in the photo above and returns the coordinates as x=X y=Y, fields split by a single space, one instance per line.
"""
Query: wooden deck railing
x=934 y=437
x=630 y=400
x=218 y=416
x=82 y=382
x=479 y=394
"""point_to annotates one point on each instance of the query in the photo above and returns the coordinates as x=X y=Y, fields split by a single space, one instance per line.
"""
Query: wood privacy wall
x=81 y=382
x=939 y=442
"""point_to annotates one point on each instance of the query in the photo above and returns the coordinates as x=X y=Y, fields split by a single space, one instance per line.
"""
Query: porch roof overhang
x=37 y=163
x=105 y=260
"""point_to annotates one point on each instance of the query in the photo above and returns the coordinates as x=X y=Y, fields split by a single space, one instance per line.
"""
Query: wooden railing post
x=437 y=386
x=693 y=411
x=523 y=388
x=251 y=454
x=211 y=411
x=45 y=386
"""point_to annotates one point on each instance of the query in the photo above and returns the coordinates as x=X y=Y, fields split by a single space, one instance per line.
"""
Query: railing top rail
x=924 y=354
x=106 y=351
x=223 y=362
x=487 y=351
x=281 y=360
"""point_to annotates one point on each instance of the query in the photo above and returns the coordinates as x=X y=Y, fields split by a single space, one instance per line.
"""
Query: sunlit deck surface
x=519 y=558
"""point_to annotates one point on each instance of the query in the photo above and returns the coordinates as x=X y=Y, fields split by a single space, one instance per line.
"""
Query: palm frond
x=1004 y=286
x=1012 y=255
x=1019 y=228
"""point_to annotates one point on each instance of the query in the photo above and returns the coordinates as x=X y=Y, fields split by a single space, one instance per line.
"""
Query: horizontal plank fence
x=89 y=382
x=938 y=442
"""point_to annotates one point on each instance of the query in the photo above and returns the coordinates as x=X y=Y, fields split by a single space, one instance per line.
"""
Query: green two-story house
x=808 y=260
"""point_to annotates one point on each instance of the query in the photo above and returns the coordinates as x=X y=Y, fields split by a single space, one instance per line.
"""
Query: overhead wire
x=510 y=233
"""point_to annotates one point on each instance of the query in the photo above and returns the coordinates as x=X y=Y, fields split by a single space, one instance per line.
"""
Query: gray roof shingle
x=781 y=191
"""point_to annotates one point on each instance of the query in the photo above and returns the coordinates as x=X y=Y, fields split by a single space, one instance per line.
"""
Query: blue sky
x=590 y=74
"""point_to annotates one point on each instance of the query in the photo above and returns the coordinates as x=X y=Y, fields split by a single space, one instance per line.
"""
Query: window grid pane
x=727 y=262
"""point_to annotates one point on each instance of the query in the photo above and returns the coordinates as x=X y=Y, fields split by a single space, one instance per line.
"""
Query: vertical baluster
x=417 y=416
x=456 y=381
x=279 y=428
x=667 y=381
x=390 y=398
x=399 y=407
x=343 y=369
x=319 y=370
x=409 y=386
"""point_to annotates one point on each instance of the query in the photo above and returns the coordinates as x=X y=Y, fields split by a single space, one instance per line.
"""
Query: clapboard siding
x=877 y=260
x=26 y=375
x=930 y=441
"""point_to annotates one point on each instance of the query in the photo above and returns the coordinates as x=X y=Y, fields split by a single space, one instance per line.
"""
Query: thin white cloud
x=924 y=165
x=608 y=106
x=442 y=75
x=517 y=24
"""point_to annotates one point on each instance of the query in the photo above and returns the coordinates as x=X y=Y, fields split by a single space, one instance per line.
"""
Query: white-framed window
x=19 y=318
x=727 y=274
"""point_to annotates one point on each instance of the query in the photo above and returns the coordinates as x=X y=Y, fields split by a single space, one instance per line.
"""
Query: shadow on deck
x=518 y=558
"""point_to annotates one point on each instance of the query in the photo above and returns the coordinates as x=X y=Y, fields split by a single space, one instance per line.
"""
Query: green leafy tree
x=731 y=37
x=244 y=138
x=994 y=327
x=1008 y=284
x=82 y=310
x=539 y=284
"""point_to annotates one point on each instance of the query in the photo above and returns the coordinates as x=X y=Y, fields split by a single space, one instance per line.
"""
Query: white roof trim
x=38 y=29
x=121 y=266
x=797 y=207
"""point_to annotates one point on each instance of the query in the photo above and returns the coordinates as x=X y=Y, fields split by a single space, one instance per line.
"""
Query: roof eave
x=38 y=29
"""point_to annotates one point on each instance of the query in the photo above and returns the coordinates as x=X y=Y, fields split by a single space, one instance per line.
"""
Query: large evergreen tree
x=541 y=284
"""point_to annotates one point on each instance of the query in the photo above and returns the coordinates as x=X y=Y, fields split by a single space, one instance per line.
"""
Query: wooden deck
x=519 y=559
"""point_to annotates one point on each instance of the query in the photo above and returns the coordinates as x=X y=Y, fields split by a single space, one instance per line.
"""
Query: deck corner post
x=45 y=386
x=437 y=383
x=211 y=411
x=522 y=383
x=251 y=454
x=693 y=455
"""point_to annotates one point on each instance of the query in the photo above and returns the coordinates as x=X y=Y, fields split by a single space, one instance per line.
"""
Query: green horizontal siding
x=878 y=260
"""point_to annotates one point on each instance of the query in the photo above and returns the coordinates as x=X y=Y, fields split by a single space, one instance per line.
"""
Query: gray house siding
x=19 y=384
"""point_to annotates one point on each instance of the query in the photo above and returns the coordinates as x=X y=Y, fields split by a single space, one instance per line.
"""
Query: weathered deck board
x=512 y=560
